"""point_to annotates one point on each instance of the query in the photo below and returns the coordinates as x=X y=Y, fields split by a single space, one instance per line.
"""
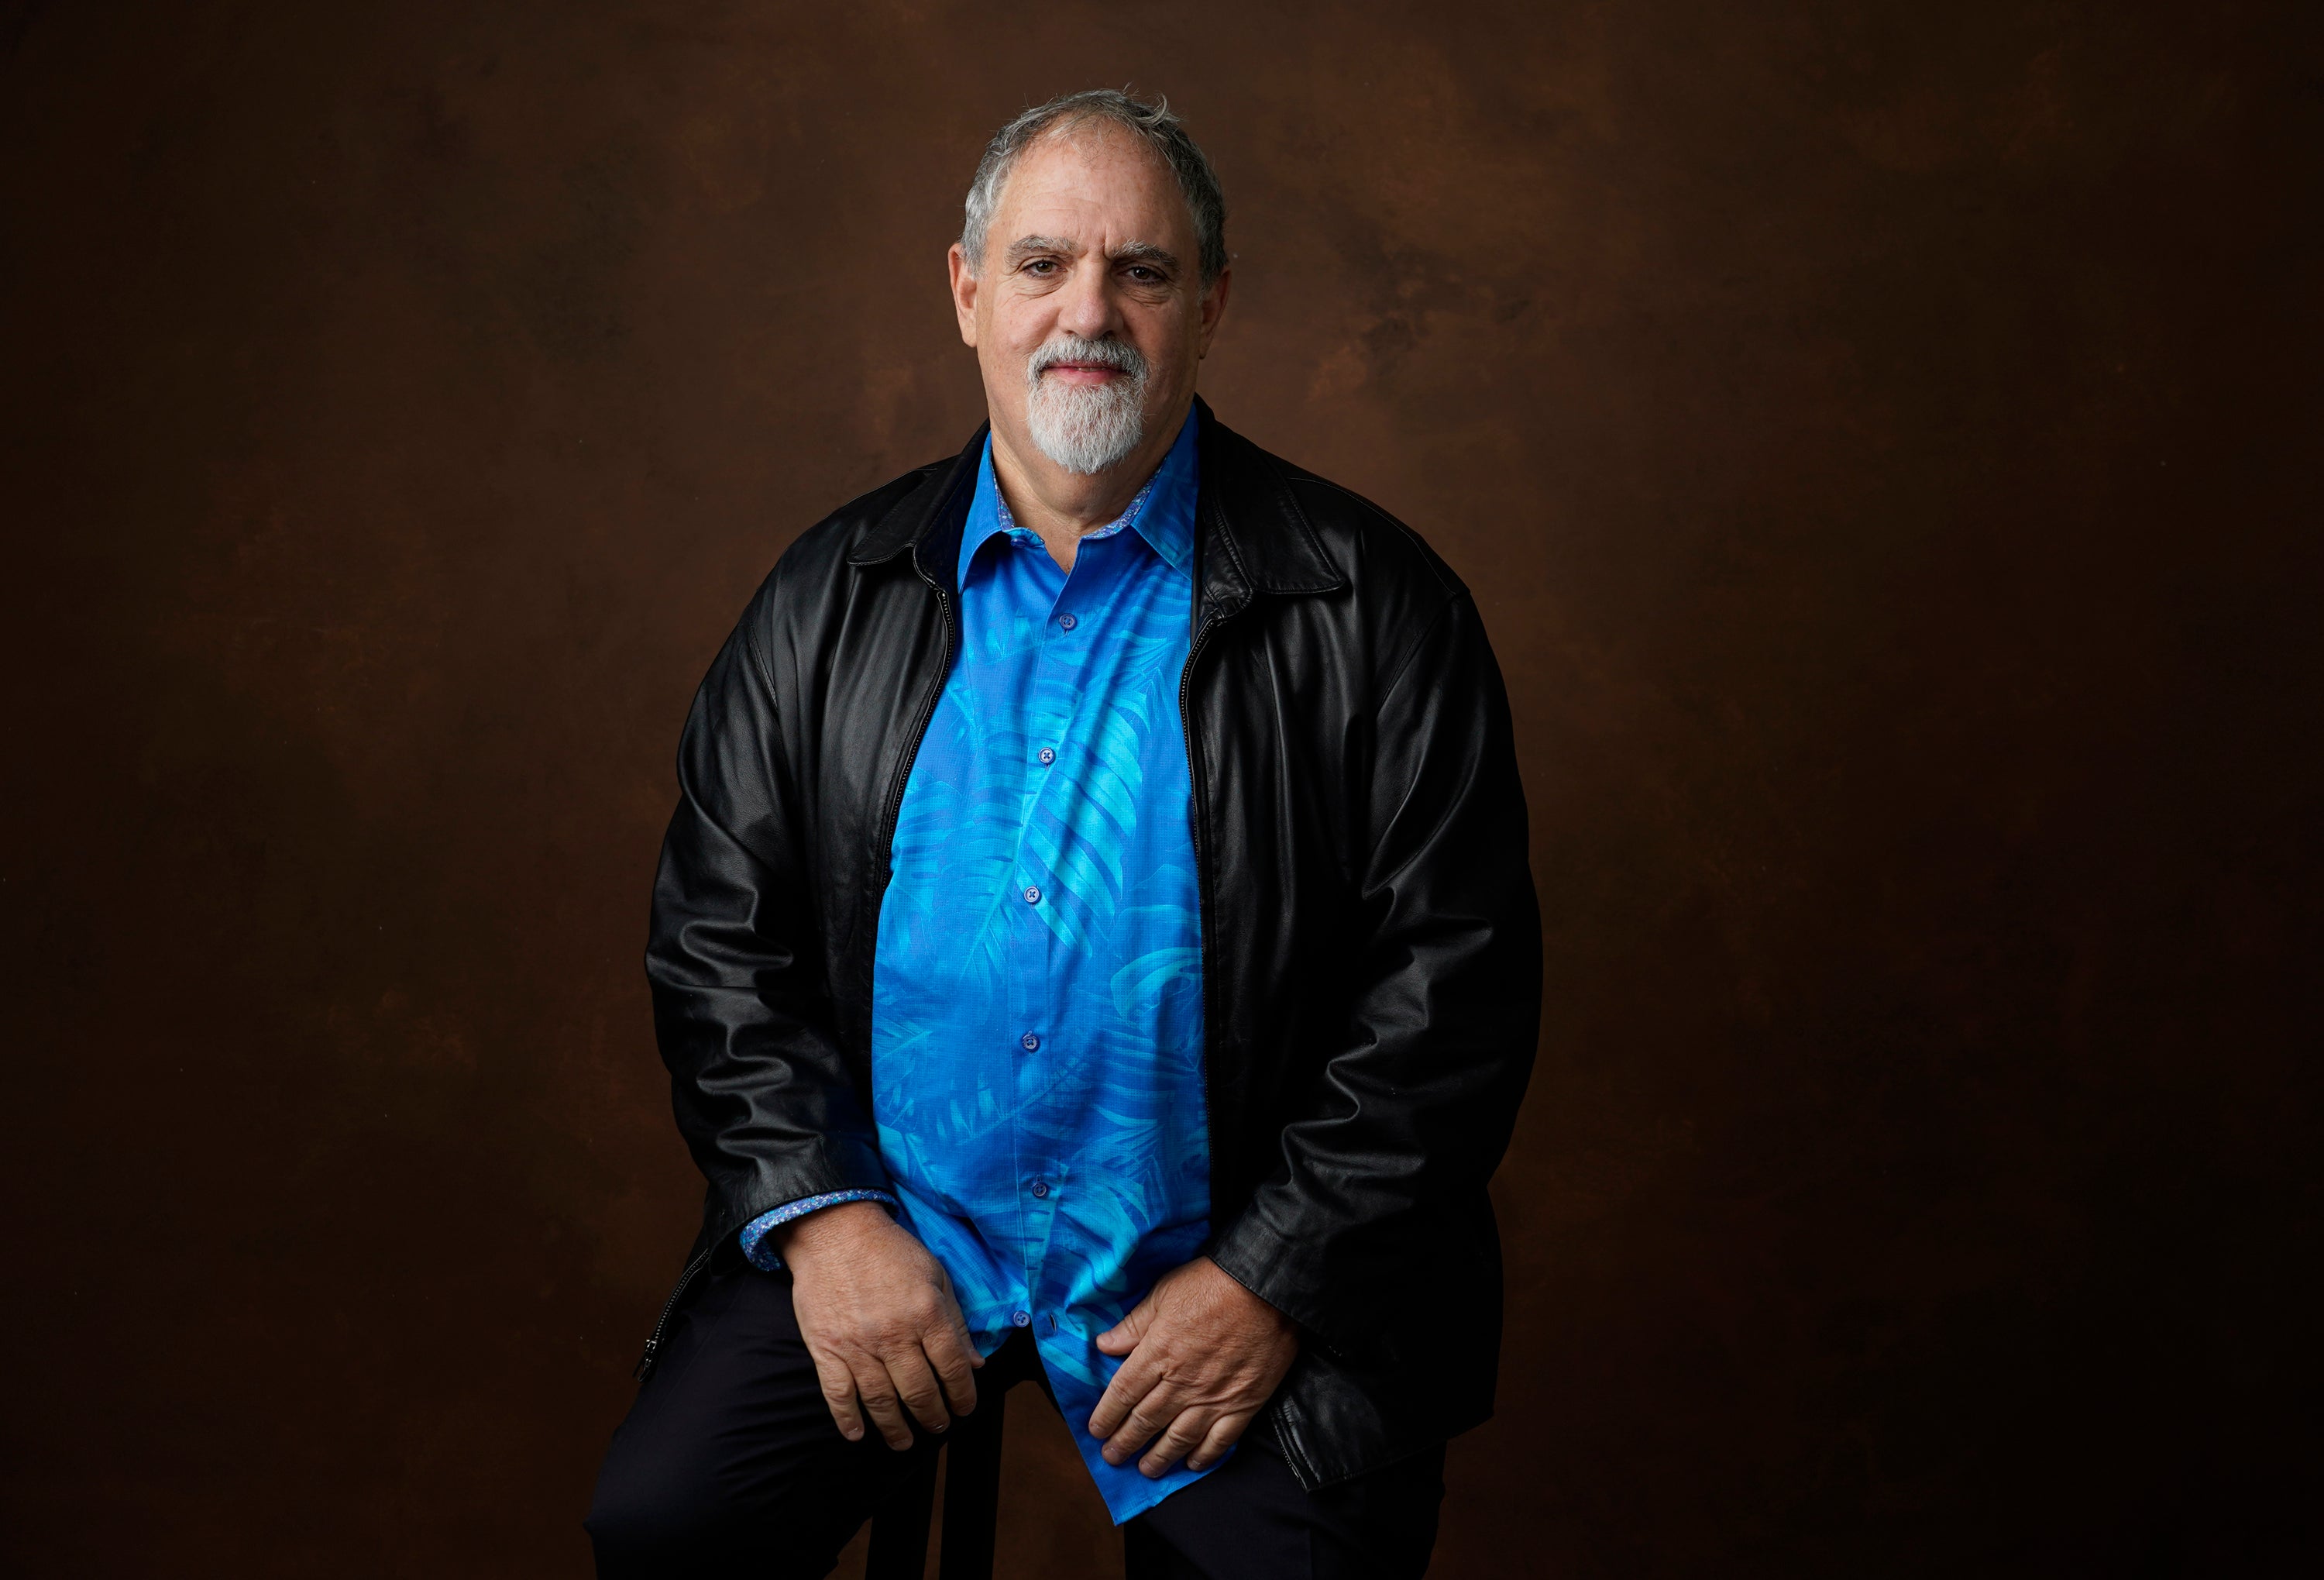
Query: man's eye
x=1142 y=274
x=1041 y=266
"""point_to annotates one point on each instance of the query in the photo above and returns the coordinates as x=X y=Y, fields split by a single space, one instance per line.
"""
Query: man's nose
x=1089 y=308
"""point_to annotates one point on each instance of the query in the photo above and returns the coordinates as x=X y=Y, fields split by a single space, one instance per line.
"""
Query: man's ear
x=964 y=292
x=1214 y=308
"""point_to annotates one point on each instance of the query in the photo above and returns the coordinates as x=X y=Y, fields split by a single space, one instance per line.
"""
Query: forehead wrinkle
x=1086 y=186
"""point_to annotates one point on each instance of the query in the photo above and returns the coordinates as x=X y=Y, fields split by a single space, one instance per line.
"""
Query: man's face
x=1088 y=313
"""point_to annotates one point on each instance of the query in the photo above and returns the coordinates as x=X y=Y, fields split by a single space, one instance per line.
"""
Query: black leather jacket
x=1371 y=947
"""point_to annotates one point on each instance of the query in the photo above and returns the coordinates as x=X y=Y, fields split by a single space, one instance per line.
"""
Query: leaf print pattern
x=1054 y=903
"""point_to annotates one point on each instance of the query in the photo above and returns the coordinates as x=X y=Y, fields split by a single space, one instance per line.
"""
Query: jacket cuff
x=760 y=1252
x=1279 y=1271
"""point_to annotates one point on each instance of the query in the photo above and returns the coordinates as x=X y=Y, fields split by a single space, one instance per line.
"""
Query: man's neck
x=1062 y=506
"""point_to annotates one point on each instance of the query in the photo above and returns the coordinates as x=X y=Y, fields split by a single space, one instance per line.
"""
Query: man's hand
x=879 y=1317
x=1205 y=1354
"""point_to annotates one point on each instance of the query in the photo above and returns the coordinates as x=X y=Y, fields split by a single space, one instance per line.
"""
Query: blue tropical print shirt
x=1036 y=1012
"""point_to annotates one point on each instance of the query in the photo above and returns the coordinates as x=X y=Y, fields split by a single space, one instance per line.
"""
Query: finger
x=960 y=1336
x=955 y=1362
x=1223 y=1435
x=878 y=1395
x=916 y=1385
x=1184 y=1434
x=1132 y=1383
x=952 y=1313
x=1154 y=1412
x=1124 y=1336
x=838 y=1385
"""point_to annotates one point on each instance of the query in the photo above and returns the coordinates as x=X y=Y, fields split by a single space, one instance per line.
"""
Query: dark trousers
x=729 y=1464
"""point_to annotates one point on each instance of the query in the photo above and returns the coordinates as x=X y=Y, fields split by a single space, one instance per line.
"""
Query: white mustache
x=1112 y=354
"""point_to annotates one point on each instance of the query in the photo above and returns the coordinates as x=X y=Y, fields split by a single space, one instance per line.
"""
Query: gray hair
x=1153 y=124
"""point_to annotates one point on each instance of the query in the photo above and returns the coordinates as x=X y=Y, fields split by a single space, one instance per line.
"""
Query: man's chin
x=1085 y=455
x=1085 y=433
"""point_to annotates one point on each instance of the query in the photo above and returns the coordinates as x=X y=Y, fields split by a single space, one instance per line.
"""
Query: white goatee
x=1082 y=429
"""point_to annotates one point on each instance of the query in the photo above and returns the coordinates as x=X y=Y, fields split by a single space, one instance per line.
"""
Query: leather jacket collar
x=1264 y=544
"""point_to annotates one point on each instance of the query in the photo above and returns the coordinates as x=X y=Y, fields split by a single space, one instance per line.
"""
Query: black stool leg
x=972 y=1490
x=899 y=1526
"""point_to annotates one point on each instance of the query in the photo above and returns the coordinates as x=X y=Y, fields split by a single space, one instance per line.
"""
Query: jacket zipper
x=1202 y=863
x=653 y=1342
x=1194 y=775
x=895 y=807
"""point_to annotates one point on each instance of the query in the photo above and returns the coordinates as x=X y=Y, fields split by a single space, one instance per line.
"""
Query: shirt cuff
x=760 y=1254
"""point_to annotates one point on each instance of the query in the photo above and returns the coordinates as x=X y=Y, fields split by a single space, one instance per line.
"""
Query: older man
x=1094 y=944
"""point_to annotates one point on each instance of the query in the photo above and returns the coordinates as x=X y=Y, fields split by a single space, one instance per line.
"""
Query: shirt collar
x=1163 y=514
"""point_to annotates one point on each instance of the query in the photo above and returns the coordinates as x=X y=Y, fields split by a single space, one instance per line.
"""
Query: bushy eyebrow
x=1144 y=252
x=1025 y=246
x=1028 y=246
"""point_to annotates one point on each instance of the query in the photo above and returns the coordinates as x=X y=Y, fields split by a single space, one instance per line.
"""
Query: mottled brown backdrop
x=1883 y=440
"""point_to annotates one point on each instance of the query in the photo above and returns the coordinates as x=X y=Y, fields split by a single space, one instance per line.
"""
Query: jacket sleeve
x=1392 y=1143
x=734 y=956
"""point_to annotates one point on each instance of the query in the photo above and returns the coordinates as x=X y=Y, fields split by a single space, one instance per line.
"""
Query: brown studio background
x=1875 y=435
